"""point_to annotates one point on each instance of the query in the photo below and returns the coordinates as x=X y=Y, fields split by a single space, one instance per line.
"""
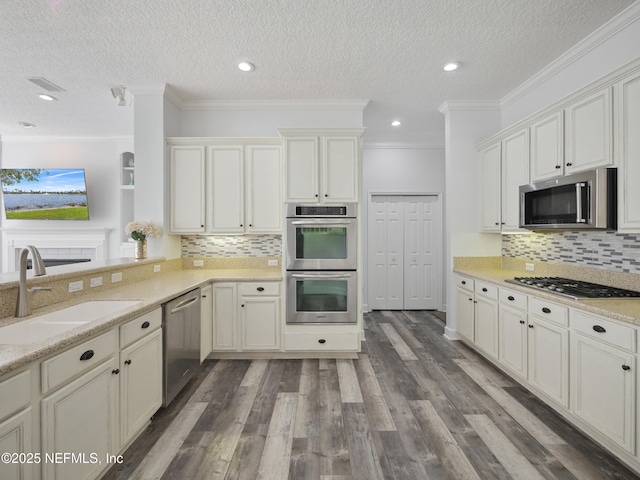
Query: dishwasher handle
x=183 y=305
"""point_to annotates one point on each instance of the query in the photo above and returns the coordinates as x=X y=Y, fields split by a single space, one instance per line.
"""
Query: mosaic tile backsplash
x=606 y=250
x=232 y=246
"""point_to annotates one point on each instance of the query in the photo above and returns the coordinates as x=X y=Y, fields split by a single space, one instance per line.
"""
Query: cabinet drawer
x=549 y=311
x=513 y=299
x=486 y=290
x=604 y=330
x=465 y=283
x=259 y=288
x=141 y=326
x=65 y=366
x=15 y=393
x=331 y=342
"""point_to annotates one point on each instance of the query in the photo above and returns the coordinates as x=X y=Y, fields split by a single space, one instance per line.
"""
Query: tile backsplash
x=605 y=250
x=230 y=246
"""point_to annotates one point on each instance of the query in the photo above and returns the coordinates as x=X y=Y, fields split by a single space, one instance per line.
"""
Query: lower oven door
x=321 y=297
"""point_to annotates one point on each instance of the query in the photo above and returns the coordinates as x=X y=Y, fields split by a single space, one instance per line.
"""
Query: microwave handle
x=321 y=222
x=579 y=187
x=322 y=275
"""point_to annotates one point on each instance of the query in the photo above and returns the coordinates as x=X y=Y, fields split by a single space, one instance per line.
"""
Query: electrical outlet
x=272 y=263
x=76 y=286
x=156 y=268
x=530 y=267
x=95 y=282
x=198 y=263
x=116 y=277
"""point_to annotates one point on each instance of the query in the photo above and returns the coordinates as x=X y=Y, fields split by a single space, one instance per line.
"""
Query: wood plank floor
x=412 y=406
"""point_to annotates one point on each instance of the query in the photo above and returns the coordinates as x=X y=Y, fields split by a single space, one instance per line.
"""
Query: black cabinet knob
x=145 y=325
x=88 y=355
x=484 y=290
x=116 y=371
x=510 y=298
x=127 y=362
x=463 y=282
x=322 y=340
x=569 y=164
x=530 y=326
x=260 y=289
x=521 y=322
x=626 y=367
x=558 y=167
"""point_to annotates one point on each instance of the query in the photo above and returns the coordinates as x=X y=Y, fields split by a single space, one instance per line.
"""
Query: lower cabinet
x=206 y=322
x=16 y=426
x=512 y=347
x=464 y=311
x=486 y=318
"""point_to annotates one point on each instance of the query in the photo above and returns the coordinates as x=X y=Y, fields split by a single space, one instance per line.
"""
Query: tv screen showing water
x=44 y=193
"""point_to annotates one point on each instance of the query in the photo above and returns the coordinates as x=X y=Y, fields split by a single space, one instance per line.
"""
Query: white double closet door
x=404 y=249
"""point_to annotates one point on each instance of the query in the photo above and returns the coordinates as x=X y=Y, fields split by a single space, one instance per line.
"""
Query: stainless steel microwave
x=584 y=200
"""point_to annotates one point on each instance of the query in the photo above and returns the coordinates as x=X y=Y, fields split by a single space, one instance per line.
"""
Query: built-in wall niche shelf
x=127 y=172
x=127 y=185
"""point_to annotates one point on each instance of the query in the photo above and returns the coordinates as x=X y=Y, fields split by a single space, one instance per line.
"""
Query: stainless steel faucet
x=23 y=307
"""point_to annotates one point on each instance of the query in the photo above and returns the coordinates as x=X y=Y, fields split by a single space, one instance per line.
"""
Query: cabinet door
x=225 y=317
x=515 y=172
x=603 y=389
x=15 y=437
x=225 y=183
x=464 y=314
x=140 y=384
x=490 y=202
x=301 y=165
x=260 y=323
x=547 y=147
x=206 y=322
x=187 y=189
x=628 y=151
x=486 y=326
x=340 y=168
x=588 y=133
x=81 y=418
x=264 y=189
x=549 y=359
x=512 y=343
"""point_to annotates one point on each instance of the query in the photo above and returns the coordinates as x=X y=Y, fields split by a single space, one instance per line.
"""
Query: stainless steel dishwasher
x=181 y=342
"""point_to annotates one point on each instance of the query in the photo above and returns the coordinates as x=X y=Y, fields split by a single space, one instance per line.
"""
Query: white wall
x=399 y=170
x=100 y=159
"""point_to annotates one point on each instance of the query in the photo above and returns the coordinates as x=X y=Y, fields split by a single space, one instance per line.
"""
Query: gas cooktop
x=573 y=288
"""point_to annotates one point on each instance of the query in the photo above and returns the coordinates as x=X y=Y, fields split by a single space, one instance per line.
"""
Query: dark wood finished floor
x=412 y=406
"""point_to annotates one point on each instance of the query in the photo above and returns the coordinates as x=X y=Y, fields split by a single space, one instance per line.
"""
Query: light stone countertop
x=152 y=293
x=624 y=309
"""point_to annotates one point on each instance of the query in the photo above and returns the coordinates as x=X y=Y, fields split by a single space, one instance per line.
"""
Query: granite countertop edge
x=151 y=293
x=624 y=310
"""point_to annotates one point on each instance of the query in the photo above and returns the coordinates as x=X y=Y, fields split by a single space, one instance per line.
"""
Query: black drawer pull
x=260 y=289
x=463 y=282
x=322 y=340
x=88 y=355
x=116 y=371
x=145 y=325
x=546 y=310
x=484 y=289
x=599 y=329
x=510 y=298
x=127 y=362
x=626 y=367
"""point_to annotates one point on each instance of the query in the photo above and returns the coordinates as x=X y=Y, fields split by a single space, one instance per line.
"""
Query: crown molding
x=61 y=139
x=273 y=104
x=404 y=145
x=590 y=43
x=468 y=105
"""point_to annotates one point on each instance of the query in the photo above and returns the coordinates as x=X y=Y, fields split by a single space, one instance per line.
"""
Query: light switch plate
x=156 y=268
x=198 y=263
x=116 y=277
x=95 y=282
x=529 y=266
x=76 y=286
x=272 y=263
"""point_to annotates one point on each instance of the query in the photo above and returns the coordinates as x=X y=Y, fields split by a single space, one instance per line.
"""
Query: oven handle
x=580 y=218
x=321 y=275
x=321 y=222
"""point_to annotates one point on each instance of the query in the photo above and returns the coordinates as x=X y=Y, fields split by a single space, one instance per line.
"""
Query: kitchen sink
x=50 y=324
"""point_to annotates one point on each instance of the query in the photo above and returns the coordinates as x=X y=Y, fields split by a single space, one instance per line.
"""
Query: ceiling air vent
x=46 y=84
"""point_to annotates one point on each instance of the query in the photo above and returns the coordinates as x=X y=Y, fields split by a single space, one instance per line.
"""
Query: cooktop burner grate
x=574 y=288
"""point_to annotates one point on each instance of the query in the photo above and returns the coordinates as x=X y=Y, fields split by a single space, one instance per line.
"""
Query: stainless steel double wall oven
x=321 y=263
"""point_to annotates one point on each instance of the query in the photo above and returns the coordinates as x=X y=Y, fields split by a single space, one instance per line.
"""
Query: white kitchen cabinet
x=548 y=350
x=260 y=316
x=627 y=148
x=547 y=147
x=140 y=384
x=187 y=192
x=588 y=132
x=225 y=317
x=322 y=165
x=464 y=307
x=486 y=318
x=490 y=203
x=512 y=332
x=15 y=425
x=206 y=321
x=263 y=191
x=225 y=189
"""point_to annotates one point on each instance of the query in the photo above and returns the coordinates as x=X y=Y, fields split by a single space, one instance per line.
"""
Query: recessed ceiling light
x=49 y=98
x=450 y=67
x=26 y=124
x=396 y=123
x=246 y=66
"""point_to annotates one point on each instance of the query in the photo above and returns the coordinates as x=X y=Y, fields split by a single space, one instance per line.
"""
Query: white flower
x=142 y=230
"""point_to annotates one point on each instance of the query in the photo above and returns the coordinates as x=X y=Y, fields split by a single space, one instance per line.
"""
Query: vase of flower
x=139 y=232
x=140 y=250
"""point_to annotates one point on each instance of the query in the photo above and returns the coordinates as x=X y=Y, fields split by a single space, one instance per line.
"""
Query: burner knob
x=529 y=282
x=540 y=284
x=559 y=289
x=551 y=287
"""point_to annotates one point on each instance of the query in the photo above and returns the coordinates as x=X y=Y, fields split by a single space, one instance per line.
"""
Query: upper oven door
x=321 y=244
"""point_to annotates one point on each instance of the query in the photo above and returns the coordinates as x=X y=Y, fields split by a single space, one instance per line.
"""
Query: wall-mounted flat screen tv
x=44 y=193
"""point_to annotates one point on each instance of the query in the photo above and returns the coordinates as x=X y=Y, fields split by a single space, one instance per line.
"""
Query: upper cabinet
x=322 y=165
x=224 y=186
x=547 y=147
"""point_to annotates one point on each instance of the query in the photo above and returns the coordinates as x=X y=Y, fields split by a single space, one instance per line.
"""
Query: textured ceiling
x=389 y=52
